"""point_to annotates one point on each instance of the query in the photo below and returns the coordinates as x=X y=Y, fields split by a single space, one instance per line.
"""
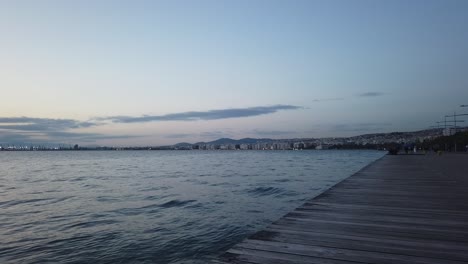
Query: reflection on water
x=153 y=206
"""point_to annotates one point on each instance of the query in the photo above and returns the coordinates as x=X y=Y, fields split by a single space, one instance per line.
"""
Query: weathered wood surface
x=400 y=209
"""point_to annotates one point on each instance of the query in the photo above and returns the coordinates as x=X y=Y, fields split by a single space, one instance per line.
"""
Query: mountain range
x=402 y=135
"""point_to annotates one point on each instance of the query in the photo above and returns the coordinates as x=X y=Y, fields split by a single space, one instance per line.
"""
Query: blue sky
x=161 y=72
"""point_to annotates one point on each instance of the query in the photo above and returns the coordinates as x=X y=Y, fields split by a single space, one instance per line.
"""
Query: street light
x=463 y=105
x=449 y=121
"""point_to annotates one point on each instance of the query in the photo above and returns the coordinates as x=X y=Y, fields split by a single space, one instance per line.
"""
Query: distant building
x=449 y=131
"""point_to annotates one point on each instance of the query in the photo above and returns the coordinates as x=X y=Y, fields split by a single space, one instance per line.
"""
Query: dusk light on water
x=233 y=131
x=153 y=207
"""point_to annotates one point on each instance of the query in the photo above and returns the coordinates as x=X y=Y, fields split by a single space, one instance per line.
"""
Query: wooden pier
x=400 y=209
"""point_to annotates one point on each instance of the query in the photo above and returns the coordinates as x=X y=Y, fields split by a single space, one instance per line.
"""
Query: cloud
x=49 y=130
x=49 y=124
x=55 y=137
x=31 y=130
x=85 y=136
x=204 y=115
x=41 y=124
x=371 y=94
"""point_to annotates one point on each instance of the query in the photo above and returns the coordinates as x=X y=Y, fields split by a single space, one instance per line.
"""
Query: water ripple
x=155 y=206
x=176 y=203
x=264 y=191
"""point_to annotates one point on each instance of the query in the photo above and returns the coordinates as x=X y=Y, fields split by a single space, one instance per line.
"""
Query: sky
x=161 y=72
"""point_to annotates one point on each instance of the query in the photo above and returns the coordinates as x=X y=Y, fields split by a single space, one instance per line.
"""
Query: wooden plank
x=399 y=193
x=449 y=205
x=410 y=248
x=339 y=206
x=379 y=230
x=382 y=217
x=426 y=245
x=400 y=209
x=375 y=235
x=337 y=253
x=379 y=224
x=460 y=228
x=246 y=255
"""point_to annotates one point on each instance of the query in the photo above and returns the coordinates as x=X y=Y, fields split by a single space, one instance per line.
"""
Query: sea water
x=153 y=206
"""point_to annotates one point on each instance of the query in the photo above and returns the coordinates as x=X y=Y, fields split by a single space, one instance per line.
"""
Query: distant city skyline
x=138 y=73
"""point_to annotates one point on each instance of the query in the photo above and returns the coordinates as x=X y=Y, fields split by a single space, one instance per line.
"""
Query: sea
x=153 y=206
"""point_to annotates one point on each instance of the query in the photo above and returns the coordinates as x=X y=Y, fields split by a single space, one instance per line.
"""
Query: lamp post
x=464 y=114
x=455 y=119
x=450 y=126
x=449 y=121
x=455 y=125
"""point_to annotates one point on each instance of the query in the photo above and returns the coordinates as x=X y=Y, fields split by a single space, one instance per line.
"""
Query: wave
x=8 y=204
x=176 y=203
x=265 y=191
x=89 y=224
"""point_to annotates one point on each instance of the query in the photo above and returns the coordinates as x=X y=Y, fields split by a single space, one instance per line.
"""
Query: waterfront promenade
x=399 y=209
